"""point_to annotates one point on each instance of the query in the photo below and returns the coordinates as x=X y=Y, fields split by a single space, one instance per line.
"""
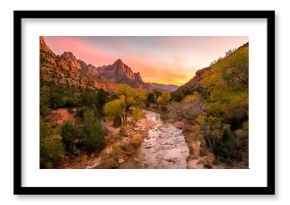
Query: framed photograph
x=144 y=102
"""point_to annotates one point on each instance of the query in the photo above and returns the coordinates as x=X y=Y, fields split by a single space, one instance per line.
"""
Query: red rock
x=67 y=69
x=178 y=124
x=43 y=45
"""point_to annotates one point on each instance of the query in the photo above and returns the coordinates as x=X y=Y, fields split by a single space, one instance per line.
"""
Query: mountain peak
x=138 y=77
x=69 y=56
x=43 y=45
x=118 y=61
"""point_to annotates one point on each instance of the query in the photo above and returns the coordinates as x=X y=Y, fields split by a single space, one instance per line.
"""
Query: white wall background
x=282 y=99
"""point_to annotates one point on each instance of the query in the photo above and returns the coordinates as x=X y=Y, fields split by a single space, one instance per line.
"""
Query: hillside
x=66 y=69
x=215 y=103
x=194 y=82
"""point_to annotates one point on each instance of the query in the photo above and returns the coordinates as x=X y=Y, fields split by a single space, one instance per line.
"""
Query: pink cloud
x=82 y=51
x=158 y=59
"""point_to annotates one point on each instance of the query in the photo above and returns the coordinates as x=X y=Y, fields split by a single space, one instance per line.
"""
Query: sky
x=160 y=59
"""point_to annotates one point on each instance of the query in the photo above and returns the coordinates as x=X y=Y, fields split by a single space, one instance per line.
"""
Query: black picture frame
x=268 y=190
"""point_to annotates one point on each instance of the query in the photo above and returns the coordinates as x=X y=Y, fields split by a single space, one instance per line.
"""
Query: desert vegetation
x=86 y=124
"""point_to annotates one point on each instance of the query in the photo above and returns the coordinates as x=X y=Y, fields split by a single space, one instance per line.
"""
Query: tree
x=209 y=130
x=116 y=109
x=87 y=99
x=227 y=83
x=164 y=99
x=102 y=97
x=223 y=127
x=132 y=97
x=128 y=97
x=152 y=96
x=177 y=95
x=190 y=107
x=137 y=114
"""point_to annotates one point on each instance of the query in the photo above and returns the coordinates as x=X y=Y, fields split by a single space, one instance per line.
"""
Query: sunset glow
x=160 y=59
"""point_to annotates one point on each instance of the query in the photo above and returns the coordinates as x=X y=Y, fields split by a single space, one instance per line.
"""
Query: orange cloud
x=154 y=70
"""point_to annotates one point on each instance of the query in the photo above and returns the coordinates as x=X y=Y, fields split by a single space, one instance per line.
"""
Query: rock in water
x=164 y=148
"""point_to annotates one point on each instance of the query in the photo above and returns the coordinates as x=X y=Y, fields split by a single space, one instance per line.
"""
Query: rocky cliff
x=67 y=69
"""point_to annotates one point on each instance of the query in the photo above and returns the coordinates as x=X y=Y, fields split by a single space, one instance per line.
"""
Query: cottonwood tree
x=164 y=99
x=128 y=98
x=190 y=107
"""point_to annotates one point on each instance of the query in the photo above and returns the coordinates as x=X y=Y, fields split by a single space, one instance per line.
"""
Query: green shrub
x=51 y=147
x=69 y=134
x=92 y=132
x=228 y=148
x=44 y=111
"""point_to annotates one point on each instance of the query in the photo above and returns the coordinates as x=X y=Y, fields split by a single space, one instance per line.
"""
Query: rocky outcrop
x=43 y=45
x=67 y=69
x=195 y=82
x=69 y=56
x=82 y=64
x=119 y=72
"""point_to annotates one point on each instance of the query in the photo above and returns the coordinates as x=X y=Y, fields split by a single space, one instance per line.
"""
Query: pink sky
x=161 y=59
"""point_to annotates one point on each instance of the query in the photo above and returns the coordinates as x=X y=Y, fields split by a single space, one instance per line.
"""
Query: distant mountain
x=119 y=72
x=165 y=87
x=67 y=69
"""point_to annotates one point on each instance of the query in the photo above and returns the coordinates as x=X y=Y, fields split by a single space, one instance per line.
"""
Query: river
x=164 y=147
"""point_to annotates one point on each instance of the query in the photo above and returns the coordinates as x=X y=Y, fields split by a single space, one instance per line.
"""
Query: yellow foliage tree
x=128 y=97
x=116 y=108
x=164 y=98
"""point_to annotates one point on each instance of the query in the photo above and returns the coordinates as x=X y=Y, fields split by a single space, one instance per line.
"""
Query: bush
x=51 y=152
x=87 y=132
x=137 y=114
x=228 y=148
x=55 y=100
x=69 y=134
x=95 y=99
x=57 y=96
x=92 y=133
x=177 y=96
x=51 y=148
x=44 y=111
x=132 y=144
